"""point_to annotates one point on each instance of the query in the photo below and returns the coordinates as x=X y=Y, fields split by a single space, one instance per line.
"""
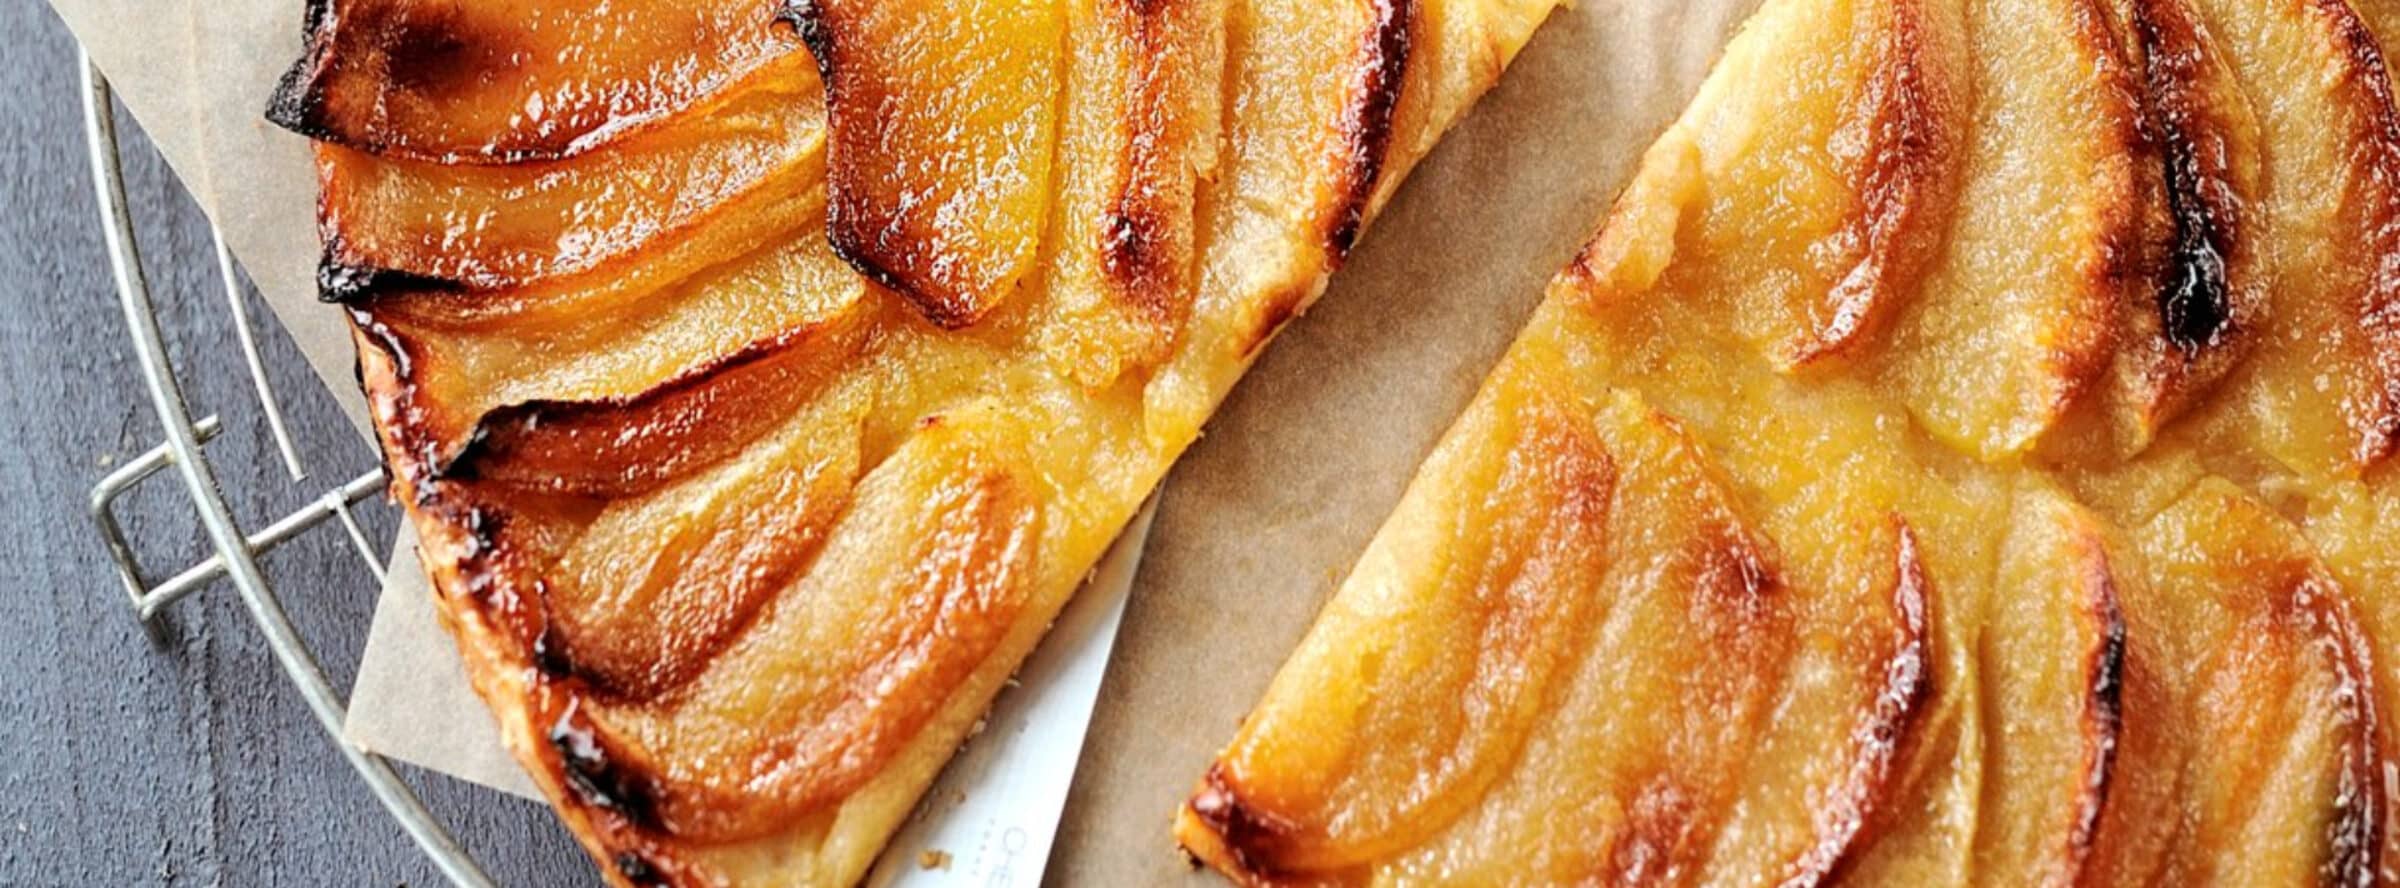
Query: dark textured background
x=181 y=759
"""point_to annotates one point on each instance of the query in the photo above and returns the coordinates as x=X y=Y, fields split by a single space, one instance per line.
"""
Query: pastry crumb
x=933 y=860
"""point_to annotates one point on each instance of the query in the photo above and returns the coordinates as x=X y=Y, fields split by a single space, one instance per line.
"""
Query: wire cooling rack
x=237 y=549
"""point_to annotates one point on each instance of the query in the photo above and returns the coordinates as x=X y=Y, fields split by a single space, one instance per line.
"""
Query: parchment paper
x=1256 y=524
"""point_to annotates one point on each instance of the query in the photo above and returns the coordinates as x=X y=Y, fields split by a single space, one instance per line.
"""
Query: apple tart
x=1964 y=455
x=761 y=378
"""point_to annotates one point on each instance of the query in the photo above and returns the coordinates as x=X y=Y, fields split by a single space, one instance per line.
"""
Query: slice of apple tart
x=1963 y=456
x=761 y=379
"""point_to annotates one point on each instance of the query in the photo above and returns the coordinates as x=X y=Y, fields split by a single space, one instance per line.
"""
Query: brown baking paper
x=1254 y=527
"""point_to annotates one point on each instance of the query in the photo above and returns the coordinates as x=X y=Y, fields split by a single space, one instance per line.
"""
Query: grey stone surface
x=180 y=759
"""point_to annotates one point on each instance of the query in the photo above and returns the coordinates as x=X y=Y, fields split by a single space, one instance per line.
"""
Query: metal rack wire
x=237 y=550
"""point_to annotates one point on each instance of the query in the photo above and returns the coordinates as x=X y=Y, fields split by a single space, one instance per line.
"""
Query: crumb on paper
x=933 y=859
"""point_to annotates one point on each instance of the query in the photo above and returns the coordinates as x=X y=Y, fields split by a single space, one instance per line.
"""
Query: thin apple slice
x=1307 y=161
x=2328 y=366
x=2204 y=267
x=2051 y=659
x=655 y=586
x=744 y=231
x=2015 y=317
x=2251 y=753
x=1138 y=137
x=1858 y=173
x=489 y=227
x=466 y=82
x=626 y=446
x=1415 y=691
x=618 y=401
x=1600 y=647
x=944 y=120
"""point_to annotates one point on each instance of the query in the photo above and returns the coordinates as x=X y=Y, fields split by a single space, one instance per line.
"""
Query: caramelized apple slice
x=618 y=401
x=1319 y=131
x=1568 y=629
x=487 y=227
x=2251 y=753
x=2204 y=268
x=2015 y=317
x=492 y=82
x=656 y=585
x=2050 y=658
x=944 y=119
x=737 y=241
x=2328 y=367
x=625 y=446
x=1856 y=177
x=1415 y=692
x=1138 y=137
x=913 y=589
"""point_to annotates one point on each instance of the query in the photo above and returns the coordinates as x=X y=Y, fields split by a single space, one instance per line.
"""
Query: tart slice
x=762 y=379
x=1960 y=458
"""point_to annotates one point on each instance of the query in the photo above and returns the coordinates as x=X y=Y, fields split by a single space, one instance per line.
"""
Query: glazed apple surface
x=2070 y=318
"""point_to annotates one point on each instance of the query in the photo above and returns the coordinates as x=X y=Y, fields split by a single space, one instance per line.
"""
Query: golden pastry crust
x=2124 y=411
x=754 y=431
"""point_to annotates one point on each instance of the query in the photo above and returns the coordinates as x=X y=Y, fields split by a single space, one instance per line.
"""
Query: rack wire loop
x=104 y=512
x=236 y=558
